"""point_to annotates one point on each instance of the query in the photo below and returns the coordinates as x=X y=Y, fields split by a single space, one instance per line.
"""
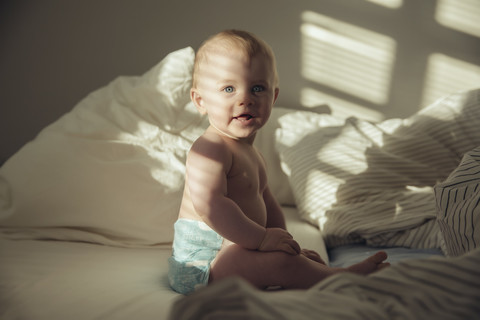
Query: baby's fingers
x=290 y=246
x=296 y=247
x=277 y=239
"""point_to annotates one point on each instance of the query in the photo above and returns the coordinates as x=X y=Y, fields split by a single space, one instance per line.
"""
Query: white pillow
x=458 y=206
x=111 y=171
x=361 y=181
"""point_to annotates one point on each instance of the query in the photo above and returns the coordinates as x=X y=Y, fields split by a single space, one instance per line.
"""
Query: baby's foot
x=371 y=264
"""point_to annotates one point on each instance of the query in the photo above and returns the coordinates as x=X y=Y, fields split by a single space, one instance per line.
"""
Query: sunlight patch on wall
x=340 y=108
x=461 y=15
x=392 y=4
x=446 y=75
x=347 y=58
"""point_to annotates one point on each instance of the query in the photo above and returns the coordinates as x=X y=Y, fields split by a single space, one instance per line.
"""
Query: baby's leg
x=264 y=269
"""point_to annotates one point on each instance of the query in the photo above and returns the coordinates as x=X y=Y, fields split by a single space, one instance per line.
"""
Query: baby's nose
x=245 y=98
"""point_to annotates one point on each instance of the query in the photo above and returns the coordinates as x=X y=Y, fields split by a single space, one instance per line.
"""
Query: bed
x=88 y=206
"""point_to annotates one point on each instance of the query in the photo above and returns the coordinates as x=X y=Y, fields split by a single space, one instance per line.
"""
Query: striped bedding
x=458 y=206
x=373 y=182
x=434 y=288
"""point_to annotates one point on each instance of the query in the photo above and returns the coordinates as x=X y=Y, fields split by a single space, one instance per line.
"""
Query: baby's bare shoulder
x=211 y=142
x=210 y=147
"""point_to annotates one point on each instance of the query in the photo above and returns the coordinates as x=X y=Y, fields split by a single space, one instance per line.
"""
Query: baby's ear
x=197 y=100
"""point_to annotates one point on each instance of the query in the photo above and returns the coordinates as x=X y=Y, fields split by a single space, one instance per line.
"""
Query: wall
x=362 y=57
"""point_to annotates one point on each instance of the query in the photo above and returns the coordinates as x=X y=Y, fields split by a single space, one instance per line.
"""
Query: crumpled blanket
x=373 y=182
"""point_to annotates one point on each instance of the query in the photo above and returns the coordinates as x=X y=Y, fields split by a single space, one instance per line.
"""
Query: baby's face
x=237 y=93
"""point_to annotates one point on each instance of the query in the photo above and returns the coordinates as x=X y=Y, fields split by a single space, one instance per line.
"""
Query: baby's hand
x=312 y=255
x=278 y=239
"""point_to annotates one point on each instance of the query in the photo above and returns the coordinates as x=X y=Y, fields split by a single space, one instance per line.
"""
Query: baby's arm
x=208 y=164
x=275 y=221
x=275 y=217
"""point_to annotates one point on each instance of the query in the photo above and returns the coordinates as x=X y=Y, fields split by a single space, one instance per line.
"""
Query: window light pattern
x=347 y=58
x=461 y=15
x=446 y=74
x=340 y=108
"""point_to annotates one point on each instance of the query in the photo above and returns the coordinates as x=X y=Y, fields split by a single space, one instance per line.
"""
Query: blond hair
x=249 y=43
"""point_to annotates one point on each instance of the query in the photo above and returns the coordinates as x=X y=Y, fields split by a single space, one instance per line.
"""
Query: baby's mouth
x=244 y=117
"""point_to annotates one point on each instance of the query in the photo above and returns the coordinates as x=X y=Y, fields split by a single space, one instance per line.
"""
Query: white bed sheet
x=71 y=280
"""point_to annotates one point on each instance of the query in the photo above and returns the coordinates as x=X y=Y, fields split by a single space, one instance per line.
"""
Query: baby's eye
x=258 y=88
x=229 y=89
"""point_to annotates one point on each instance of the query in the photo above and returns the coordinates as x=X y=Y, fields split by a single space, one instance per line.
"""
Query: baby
x=229 y=222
